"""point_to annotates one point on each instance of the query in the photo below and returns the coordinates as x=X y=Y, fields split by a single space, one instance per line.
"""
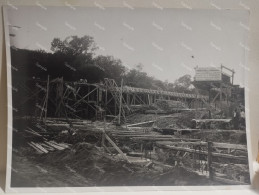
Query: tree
x=75 y=55
x=111 y=67
x=138 y=78
x=74 y=45
x=183 y=84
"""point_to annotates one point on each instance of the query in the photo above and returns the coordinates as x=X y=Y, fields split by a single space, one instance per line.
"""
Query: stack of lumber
x=186 y=148
x=47 y=146
x=140 y=136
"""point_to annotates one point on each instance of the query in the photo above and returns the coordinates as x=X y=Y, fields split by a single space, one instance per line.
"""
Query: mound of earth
x=169 y=105
x=181 y=120
x=102 y=169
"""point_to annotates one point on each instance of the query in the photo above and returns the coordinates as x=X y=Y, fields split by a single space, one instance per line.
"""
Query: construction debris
x=136 y=136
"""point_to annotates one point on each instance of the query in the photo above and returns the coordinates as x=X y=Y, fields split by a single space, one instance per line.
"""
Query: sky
x=169 y=43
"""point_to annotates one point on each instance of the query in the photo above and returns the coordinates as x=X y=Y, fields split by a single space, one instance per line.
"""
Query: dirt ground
x=29 y=173
x=86 y=165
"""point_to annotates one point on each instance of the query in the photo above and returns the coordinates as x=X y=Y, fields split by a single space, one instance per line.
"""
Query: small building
x=217 y=83
x=209 y=77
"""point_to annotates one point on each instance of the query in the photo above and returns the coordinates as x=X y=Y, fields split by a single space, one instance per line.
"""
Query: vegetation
x=74 y=58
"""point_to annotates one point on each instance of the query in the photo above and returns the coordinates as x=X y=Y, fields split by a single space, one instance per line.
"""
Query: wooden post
x=36 y=102
x=132 y=100
x=106 y=98
x=220 y=95
x=47 y=95
x=233 y=76
x=96 y=103
x=119 y=116
x=97 y=96
x=210 y=160
x=128 y=99
x=103 y=134
x=103 y=139
x=115 y=107
x=194 y=158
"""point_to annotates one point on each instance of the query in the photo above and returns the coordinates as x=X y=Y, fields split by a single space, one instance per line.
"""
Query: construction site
x=82 y=134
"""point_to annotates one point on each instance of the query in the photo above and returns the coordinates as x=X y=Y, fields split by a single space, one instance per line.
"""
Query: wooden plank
x=34 y=133
x=137 y=154
x=209 y=160
x=134 y=90
x=212 y=120
x=58 y=125
x=48 y=147
x=178 y=130
x=107 y=149
x=137 y=128
x=214 y=144
x=129 y=135
x=55 y=146
x=82 y=98
x=126 y=132
x=160 y=139
x=229 y=156
x=62 y=145
x=65 y=120
x=37 y=149
x=40 y=147
x=116 y=147
x=182 y=143
x=144 y=135
x=230 y=146
x=209 y=130
x=142 y=123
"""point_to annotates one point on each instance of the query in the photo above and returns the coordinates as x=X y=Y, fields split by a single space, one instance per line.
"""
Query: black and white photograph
x=110 y=97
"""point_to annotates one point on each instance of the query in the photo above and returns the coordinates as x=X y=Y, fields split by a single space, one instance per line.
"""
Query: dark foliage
x=74 y=59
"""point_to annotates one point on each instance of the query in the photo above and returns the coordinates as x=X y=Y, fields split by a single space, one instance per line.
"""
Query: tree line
x=74 y=58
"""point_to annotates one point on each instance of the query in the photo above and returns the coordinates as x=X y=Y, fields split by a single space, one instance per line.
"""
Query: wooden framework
x=202 y=155
x=219 y=91
x=59 y=98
